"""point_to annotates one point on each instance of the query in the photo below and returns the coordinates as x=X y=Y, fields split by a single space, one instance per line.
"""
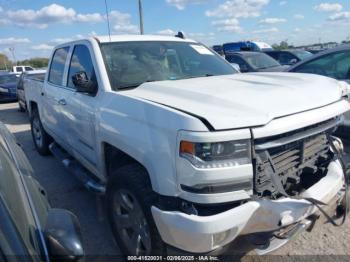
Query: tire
x=129 y=201
x=40 y=138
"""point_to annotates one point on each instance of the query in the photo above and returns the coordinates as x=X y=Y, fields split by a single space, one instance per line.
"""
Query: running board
x=77 y=169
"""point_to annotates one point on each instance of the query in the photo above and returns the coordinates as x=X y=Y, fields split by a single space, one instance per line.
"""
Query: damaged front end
x=288 y=164
x=298 y=178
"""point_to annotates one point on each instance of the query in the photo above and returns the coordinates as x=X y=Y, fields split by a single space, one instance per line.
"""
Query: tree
x=37 y=62
x=283 y=45
x=5 y=63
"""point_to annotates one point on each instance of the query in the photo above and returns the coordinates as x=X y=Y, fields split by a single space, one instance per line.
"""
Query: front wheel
x=40 y=138
x=129 y=199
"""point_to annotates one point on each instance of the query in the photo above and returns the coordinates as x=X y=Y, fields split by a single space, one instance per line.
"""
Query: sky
x=33 y=28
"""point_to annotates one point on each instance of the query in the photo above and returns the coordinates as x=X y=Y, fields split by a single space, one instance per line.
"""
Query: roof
x=124 y=38
x=262 y=45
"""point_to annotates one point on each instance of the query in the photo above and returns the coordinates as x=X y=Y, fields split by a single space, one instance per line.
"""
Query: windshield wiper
x=135 y=85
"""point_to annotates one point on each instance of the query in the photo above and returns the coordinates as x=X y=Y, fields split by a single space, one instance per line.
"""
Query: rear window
x=57 y=66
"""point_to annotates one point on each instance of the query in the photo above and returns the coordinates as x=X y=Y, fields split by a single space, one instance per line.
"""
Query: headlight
x=4 y=90
x=216 y=155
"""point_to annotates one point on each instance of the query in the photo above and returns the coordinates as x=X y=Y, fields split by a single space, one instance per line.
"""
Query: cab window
x=81 y=62
x=285 y=58
x=335 y=65
x=57 y=66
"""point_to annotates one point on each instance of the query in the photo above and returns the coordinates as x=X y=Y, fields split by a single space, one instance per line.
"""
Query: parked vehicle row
x=191 y=155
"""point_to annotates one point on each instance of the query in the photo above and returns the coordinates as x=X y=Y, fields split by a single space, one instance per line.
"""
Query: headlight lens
x=4 y=90
x=216 y=155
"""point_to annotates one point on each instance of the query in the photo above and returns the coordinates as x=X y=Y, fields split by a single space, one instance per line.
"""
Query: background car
x=218 y=49
x=20 y=69
x=35 y=77
x=333 y=63
x=288 y=57
x=8 y=86
x=254 y=62
x=30 y=230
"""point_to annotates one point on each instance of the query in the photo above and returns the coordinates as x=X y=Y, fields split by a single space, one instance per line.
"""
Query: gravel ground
x=66 y=192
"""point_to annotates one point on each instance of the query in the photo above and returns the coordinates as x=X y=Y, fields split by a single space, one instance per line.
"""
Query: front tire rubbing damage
x=129 y=201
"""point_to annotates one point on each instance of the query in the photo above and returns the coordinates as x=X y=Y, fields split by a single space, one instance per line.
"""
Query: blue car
x=8 y=87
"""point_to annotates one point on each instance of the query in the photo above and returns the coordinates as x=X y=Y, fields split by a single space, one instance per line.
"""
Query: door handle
x=62 y=102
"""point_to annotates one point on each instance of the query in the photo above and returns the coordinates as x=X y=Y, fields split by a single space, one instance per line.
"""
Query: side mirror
x=63 y=236
x=83 y=83
x=236 y=67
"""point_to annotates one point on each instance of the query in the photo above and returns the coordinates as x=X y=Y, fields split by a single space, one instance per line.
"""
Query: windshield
x=6 y=79
x=129 y=64
x=260 y=60
x=301 y=54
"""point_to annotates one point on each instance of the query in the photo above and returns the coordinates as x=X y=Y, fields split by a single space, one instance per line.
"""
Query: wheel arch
x=111 y=154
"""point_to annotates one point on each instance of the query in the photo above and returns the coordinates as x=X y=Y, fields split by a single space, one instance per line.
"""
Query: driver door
x=81 y=123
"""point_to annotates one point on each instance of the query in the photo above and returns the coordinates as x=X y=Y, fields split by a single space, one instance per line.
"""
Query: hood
x=280 y=68
x=242 y=100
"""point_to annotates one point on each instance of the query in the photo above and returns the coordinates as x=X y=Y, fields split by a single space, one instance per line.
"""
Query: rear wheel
x=130 y=198
x=40 y=138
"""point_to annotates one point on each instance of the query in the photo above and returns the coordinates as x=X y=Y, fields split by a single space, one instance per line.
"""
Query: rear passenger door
x=53 y=100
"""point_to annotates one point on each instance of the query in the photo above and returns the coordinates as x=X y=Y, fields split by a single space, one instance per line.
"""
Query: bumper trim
x=199 y=234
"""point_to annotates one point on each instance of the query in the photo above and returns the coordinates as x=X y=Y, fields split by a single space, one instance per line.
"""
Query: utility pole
x=141 y=17
x=12 y=50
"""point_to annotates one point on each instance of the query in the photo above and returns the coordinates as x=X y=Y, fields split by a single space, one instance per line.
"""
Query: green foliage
x=5 y=63
x=37 y=62
x=282 y=46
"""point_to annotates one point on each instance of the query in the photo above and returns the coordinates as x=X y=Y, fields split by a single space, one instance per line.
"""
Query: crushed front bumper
x=203 y=234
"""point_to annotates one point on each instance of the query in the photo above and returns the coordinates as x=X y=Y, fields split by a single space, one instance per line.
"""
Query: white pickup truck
x=192 y=156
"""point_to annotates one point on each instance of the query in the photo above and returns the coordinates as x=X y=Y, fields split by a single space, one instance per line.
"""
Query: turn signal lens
x=187 y=147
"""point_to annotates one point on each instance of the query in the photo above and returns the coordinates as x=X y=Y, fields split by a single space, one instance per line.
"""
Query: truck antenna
x=109 y=29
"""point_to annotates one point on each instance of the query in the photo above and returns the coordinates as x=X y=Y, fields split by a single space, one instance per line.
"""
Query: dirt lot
x=66 y=192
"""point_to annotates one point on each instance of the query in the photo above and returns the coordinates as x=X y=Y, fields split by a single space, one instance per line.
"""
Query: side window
x=28 y=68
x=336 y=65
x=274 y=55
x=81 y=61
x=285 y=58
x=237 y=60
x=57 y=66
x=19 y=69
